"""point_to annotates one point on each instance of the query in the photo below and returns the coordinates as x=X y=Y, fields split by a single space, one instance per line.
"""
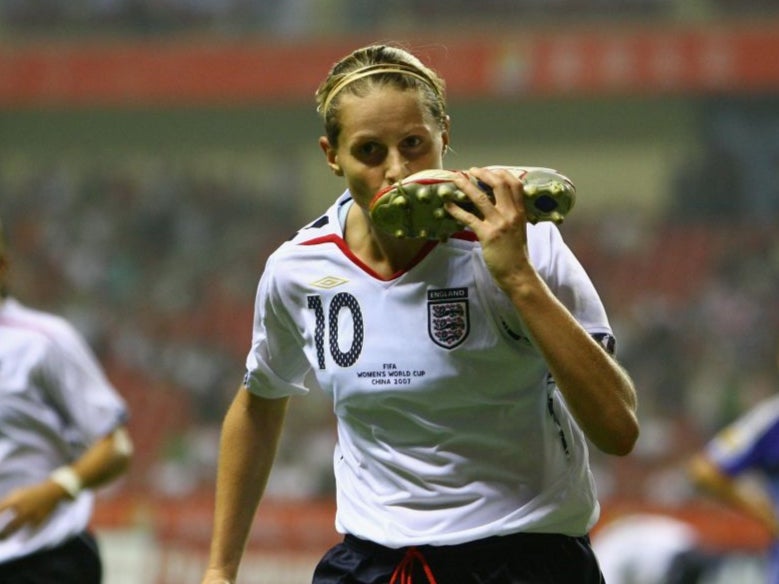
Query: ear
x=445 y=136
x=331 y=156
x=4 y=268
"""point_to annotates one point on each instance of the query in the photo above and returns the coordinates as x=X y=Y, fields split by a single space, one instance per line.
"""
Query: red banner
x=559 y=62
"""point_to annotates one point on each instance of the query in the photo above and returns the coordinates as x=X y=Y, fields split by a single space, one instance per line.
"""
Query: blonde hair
x=376 y=65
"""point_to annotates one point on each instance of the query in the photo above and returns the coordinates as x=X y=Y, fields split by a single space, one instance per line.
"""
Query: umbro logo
x=329 y=282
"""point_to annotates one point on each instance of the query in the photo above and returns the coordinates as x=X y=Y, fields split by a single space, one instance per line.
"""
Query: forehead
x=383 y=108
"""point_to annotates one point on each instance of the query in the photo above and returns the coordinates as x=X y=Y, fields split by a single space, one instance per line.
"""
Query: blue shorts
x=524 y=558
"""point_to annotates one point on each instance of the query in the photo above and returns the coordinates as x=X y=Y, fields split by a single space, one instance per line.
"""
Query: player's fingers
x=505 y=189
x=479 y=204
x=9 y=523
x=479 y=196
x=462 y=215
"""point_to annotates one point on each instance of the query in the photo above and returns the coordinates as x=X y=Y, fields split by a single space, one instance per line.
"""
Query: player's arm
x=250 y=436
x=100 y=464
x=597 y=390
x=737 y=494
x=104 y=461
x=599 y=393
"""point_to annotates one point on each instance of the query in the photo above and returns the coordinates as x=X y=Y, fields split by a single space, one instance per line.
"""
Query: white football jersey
x=54 y=402
x=449 y=428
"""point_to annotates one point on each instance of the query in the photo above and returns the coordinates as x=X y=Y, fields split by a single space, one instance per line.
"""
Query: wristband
x=68 y=479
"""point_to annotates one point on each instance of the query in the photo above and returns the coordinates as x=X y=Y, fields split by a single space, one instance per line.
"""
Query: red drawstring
x=405 y=569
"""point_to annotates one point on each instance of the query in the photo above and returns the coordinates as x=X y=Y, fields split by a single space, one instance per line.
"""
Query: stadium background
x=152 y=153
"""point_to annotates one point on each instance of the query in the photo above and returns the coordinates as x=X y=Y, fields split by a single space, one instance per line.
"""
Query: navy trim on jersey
x=607 y=341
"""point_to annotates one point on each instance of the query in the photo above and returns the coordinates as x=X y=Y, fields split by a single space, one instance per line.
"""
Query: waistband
x=516 y=541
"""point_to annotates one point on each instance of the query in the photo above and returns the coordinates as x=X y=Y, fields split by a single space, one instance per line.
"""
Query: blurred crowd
x=694 y=306
x=145 y=257
x=311 y=17
x=157 y=262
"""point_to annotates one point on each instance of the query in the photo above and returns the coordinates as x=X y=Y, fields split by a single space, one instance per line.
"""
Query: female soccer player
x=466 y=374
x=63 y=433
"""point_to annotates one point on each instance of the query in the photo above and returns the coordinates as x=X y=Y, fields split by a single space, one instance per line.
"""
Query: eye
x=416 y=146
x=369 y=152
x=413 y=142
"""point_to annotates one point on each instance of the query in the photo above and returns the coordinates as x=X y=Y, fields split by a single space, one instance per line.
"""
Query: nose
x=396 y=168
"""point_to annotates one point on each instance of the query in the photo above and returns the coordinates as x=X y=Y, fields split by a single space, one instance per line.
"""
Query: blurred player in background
x=651 y=548
x=62 y=433
x=460 y=458
x=740 y=467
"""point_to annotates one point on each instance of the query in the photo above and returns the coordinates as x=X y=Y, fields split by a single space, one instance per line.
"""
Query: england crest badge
x=448 y=321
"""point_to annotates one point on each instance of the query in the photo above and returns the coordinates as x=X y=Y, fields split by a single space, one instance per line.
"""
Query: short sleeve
x=276 y=365
x=750 y=442
x=569 y=281
x=78 y=387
